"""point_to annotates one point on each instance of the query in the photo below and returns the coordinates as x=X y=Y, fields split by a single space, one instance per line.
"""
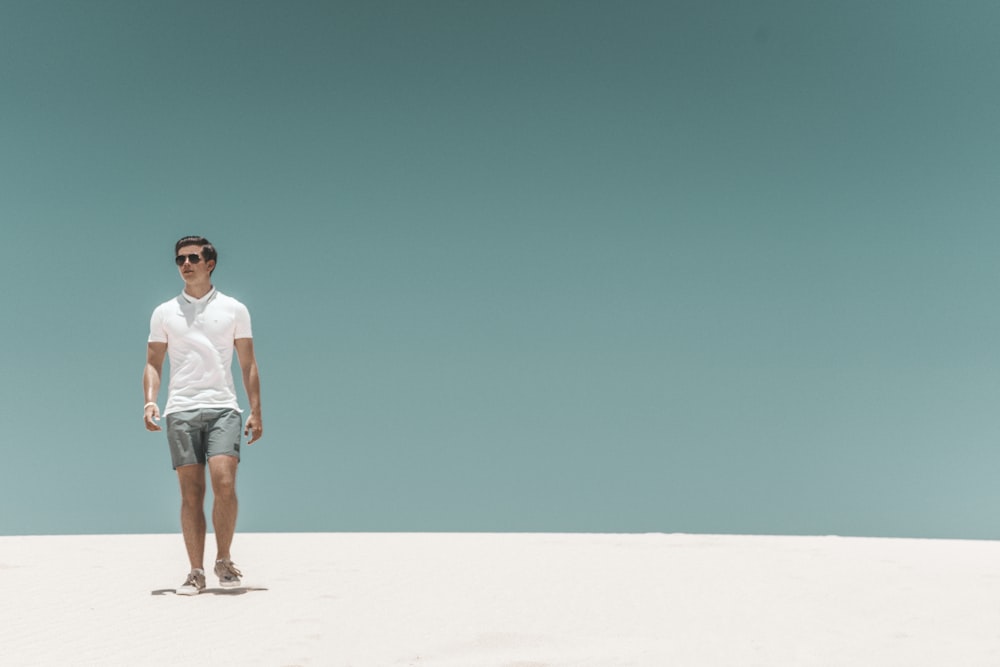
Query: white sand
x=505 y=600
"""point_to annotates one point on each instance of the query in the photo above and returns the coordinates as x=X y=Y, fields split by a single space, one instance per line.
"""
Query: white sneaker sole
x=187 y=590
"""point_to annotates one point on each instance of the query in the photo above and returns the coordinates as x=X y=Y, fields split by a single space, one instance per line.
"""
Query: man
x=199 y=329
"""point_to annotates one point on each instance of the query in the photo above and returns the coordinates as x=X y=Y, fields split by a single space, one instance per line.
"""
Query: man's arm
x=155 y=352
x=251 y=383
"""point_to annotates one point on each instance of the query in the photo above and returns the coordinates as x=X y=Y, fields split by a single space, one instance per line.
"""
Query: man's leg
x=192 y=481
x=223 y=472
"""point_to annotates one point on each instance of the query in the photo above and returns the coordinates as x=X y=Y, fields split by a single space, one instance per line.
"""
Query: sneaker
x=194 y=584
x=229 y=576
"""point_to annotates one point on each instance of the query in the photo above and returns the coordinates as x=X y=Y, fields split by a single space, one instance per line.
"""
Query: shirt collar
x=190 y=299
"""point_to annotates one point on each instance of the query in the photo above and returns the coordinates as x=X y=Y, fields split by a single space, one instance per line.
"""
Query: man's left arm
x=251 y=383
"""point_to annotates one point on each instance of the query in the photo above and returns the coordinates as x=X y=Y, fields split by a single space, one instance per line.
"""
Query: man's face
x=194 y=271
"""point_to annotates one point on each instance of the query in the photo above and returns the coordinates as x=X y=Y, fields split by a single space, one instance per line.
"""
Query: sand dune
x=505 y=600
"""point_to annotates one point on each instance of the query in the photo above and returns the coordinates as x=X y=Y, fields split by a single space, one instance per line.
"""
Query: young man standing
x=199 y=329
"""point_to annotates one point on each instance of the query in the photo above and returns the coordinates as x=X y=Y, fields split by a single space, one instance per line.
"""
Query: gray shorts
x=195 y=436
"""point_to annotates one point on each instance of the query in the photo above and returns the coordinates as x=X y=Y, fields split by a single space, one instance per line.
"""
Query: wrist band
x=153 y=403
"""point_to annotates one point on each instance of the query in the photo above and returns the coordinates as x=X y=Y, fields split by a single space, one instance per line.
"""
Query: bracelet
x=153 y=403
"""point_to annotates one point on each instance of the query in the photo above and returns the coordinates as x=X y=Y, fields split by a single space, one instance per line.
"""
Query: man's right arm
x=155 y=352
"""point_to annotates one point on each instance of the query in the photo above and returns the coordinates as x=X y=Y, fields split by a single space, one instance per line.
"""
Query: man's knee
x=223 y=471
x=224 y=488
x=192 y=482
x=193 y=495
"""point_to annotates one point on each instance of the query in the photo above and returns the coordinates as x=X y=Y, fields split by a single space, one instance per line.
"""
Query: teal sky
x=720 y=267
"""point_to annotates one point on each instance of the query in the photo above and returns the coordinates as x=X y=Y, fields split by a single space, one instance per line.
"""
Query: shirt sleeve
x=243 y=329
x=157 y=332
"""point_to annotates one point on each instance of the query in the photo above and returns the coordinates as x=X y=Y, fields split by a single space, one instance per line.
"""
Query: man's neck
x=197 y=291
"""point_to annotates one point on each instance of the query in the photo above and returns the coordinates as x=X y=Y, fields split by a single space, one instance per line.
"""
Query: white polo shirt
x=199 y=334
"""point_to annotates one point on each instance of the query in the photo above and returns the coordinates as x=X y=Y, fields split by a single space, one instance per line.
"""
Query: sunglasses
x=180 y=259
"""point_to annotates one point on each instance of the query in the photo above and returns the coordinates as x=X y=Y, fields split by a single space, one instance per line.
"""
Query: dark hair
x=208 y=250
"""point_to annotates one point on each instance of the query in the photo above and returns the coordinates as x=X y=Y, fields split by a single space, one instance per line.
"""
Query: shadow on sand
x=241 y=590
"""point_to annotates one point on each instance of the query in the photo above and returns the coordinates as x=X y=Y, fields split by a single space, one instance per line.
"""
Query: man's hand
x=254 y=428
x=151 y=416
